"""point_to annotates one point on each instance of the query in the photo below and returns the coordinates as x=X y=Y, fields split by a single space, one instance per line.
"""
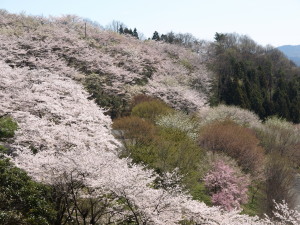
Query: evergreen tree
x=155 y=36
x=130 y=32
x=126 y=30
x=281 y=100
x=121 y=30
x=135 y=34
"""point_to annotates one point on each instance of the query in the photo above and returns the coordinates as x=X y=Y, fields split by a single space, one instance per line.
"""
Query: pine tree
x=121 y=30
x=135 y=33
x=155 y=36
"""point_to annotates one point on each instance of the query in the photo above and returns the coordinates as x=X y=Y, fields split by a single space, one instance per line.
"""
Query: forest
x=98 y=126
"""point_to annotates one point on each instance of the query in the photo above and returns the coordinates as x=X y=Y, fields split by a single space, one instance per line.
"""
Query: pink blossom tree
x=227 y=185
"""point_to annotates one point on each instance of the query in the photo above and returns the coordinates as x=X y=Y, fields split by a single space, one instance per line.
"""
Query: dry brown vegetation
x=236 y=141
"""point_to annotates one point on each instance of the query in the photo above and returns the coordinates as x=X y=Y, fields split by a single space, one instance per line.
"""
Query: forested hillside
x=98 y=127
x=261 y=79
x=257 y=78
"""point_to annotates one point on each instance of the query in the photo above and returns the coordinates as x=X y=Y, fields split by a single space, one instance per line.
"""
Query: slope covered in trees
x=112 y=65
x=257 y=78
x=164 y=160
x=64 y=141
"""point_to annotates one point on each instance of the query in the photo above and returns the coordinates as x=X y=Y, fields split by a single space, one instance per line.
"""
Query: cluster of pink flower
x=227 y=185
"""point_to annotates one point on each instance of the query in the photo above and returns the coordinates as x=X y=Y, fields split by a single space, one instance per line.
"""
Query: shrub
x=114 y=103
x=176 y=149
x=171 y=149
x=280 y=179
x=141 y=98
x=135 y=128
x=237 y=142
x=181 y=121
x=7 y=127
x=281 y=137
x=222 y=112
x=150 y=110
x=164 y=149
x=23 y=201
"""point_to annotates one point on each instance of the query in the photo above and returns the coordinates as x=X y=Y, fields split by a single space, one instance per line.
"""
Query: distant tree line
x=121 y=28
x=257 y=78
x=183 y=39
x=125 y=30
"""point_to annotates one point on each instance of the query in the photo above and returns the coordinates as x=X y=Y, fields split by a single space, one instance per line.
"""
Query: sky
x=274 y=22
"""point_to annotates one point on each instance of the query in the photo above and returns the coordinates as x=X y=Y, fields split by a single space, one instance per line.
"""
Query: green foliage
x=135 y=128
x=151 y=109
x=7 y=127
x=3 y=150
x=116 y=105
x=199 y=192
x=171 y=149
x=22 y=201
x=257 y=197
x=140 y=98
x=164 y=147
x=219 y=37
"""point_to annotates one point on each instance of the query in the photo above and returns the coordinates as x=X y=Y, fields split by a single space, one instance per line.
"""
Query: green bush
x=140 y=98
x=3 y=150
x=170 y=149
x=151 y=109
x=23 y=201
x=116 y=105
x=281 y=137
x=7 y=127
x=256 y=202
x=135 y=128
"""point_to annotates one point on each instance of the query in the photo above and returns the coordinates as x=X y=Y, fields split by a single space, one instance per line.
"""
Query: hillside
x=292 y=52
x=123 y=65
x=65 y=140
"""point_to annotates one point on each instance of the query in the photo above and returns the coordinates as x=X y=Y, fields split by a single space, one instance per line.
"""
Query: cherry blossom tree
x=222 y=112
x=227 y=185
x=284 y=214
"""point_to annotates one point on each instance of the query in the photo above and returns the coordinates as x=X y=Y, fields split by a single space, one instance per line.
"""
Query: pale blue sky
x=274 y=22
